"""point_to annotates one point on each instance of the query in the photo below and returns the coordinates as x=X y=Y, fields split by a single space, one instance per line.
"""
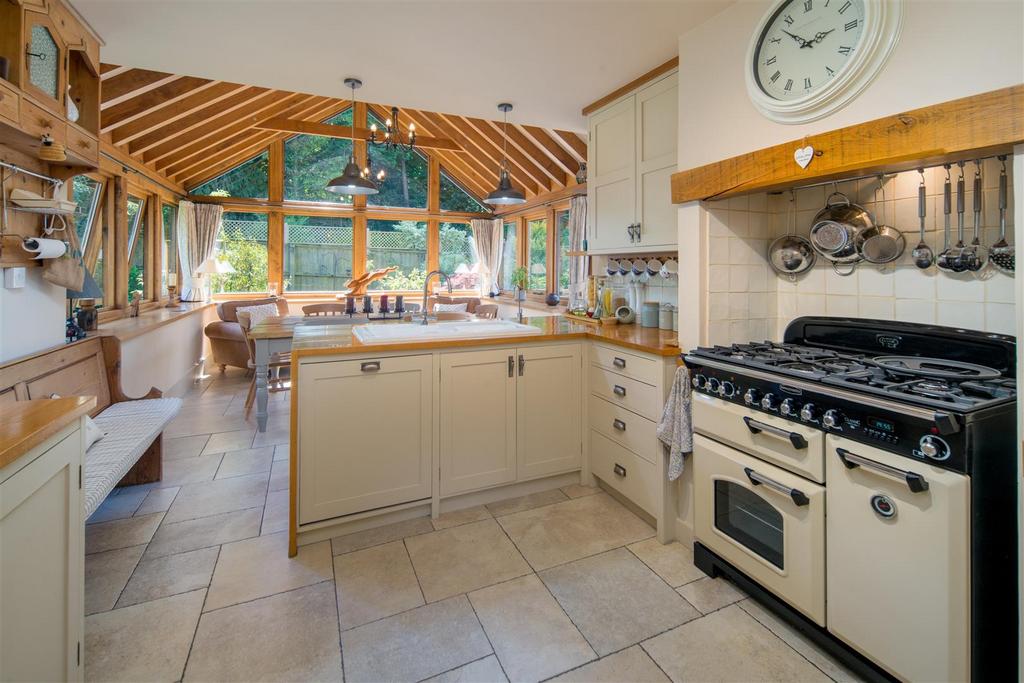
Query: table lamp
x=212 y=266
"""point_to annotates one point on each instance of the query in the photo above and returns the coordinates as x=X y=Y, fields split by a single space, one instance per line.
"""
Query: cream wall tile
x=841 y=305
x=811 y=304
x=999 y=289
x=758 y=202
x=718 y=222
x=738 y=306
x=757 y=278
x=876 y=281
x=960 y=287
x=880 y=308
x=760 y=226
x=718 y=332
x=970 y=316
x=813 y=281
x=737 y=251
x=1000 y=318
x=739 y=330
x=757 y=329
x=915 y=311
x=842 y=285
x=718 y=278
x=738 y=279
x=912 y=283
x=718 y=250
x=739 y=223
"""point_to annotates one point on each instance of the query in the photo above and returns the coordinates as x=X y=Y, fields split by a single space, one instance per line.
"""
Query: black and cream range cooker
x=860 y=478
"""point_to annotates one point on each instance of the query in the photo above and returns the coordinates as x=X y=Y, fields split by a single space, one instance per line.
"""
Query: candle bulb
x=172 y=279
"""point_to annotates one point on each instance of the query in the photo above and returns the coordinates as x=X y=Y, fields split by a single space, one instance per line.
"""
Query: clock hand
x=803 y=43
x=820 y=36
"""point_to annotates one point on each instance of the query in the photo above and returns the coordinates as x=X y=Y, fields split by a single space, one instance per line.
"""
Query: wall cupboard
x=631 y=157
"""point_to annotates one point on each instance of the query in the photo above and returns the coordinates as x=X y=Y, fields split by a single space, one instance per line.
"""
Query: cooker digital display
x=881 y=425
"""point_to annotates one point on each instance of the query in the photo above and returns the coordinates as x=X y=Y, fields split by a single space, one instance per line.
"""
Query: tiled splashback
x=748 y=300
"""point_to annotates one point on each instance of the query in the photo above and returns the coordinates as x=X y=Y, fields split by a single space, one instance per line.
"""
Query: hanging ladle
x=956 y=259
x=975 y=256
x=946 y=256
x=922 y=254
x=1002 y=254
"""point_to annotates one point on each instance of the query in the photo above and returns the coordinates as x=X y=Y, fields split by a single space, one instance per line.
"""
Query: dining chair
x=277 y=361
x=312 y=310
x=487 y=311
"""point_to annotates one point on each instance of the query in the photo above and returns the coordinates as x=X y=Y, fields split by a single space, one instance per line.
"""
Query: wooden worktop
x=333 y=339
x=26 y=424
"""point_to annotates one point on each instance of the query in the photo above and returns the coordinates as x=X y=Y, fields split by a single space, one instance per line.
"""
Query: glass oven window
x=749 y=520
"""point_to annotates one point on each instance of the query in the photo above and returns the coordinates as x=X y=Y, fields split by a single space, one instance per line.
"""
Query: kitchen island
x=395 y=429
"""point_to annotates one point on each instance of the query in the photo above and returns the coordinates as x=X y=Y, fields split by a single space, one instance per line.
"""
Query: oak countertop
x=26 y=424
x=334 y=339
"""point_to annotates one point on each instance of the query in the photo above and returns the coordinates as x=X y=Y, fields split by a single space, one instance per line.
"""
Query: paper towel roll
x=44 y=248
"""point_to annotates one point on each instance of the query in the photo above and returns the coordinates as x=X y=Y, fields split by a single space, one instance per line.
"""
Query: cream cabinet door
x=657 y=125
x=365 y=433
x=478 y=418
x=611 y=187
x=42 y=567
x=548 y=397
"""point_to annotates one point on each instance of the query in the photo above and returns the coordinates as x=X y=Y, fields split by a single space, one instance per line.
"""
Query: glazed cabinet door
x=657 y=124
x=365 y=433
x=478 y=419
x=611 y=187
x=549 y=438
x=42 y=570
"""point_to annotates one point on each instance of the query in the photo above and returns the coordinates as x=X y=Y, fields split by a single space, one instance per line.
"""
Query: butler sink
x=418 y=332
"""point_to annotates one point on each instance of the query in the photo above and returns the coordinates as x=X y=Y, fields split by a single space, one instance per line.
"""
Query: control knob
x=726 y=389
x=699 y=381
x=768 y=402
x=832 y=418
x=713 y=385
x=933 y=447
x=788 y=407
x=751 y=396
x=808 y=412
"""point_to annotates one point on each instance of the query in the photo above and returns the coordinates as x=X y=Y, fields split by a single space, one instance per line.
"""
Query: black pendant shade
x=505 y=194
x=351 y=181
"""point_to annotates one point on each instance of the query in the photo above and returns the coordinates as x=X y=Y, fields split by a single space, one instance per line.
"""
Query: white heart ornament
x=803 y=156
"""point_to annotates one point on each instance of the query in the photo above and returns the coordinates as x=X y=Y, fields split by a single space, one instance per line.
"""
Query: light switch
x=14 y=278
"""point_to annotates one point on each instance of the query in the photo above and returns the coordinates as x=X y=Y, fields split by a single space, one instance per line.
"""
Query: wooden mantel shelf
x=963 y=129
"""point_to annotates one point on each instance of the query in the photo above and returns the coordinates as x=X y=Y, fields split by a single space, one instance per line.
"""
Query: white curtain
x=577 y=235
x=487 y=238
x=198 y=227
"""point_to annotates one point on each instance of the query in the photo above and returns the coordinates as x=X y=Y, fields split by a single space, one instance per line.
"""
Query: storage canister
x=665 y=317
x=649 y=314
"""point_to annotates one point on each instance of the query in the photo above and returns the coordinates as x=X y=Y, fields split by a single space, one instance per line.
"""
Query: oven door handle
x=756 y=427
x=757 y=479
x=915 y=482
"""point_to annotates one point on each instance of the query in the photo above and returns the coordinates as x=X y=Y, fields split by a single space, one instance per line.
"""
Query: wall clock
x=808 y=58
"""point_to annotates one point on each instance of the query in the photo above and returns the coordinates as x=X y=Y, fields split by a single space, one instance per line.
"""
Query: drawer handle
x=619 y=470
x=619 y=424
x=370 y=366
x=619 y=390
x=619 y=362
x=915 y=482
x=756 y=427
x=799 y=497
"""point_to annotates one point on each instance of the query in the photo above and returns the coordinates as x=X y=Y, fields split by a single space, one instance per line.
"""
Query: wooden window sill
x=126 y=328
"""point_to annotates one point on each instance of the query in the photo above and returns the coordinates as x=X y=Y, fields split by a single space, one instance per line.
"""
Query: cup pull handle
x=370 y=366
x=619 y=390
x=619 y=425
x=915 y=482
x=619 y=362
x=619 y=470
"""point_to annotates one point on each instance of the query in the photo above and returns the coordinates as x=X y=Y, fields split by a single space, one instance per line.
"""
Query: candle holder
x=172 y=297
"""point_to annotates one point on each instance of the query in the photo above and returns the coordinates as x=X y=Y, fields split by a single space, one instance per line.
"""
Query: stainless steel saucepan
x=834 y=228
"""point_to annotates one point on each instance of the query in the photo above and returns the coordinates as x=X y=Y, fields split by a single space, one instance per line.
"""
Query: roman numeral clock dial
x=808 y=57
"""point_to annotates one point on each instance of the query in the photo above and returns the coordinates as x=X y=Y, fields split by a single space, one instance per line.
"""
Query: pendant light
x=505 y=194
x=352 y=181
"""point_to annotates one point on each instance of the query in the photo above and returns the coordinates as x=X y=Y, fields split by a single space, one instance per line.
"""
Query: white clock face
x=805 y=44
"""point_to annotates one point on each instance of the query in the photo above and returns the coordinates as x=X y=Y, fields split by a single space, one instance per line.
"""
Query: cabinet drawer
x=628 y=429
x=623 y=470
x=37 y=122
x=9 y=104
x=626 y=392
x=82 y=145
x=631 y=365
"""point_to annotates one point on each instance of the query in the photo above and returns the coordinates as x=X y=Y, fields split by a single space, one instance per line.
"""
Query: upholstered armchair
x=226 y=337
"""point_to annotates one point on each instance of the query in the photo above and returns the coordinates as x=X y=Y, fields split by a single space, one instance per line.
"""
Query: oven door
x=765 y=521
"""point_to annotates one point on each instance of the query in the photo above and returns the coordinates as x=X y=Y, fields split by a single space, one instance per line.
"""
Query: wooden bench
x=131 y=451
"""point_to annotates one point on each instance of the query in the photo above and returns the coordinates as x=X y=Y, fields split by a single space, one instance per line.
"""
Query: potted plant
x=519 y=278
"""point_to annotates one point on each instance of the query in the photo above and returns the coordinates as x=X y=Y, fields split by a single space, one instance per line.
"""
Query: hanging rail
x=25 y=171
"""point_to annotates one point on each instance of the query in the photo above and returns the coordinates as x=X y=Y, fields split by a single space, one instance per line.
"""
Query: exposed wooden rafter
x=285 y=125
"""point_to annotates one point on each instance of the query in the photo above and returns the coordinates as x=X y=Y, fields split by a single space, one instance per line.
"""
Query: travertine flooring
x=190 y=579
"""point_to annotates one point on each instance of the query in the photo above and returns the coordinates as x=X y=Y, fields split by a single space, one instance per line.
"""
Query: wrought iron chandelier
x=390 y=138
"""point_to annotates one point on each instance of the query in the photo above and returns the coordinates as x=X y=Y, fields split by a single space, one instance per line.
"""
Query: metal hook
x=977 y=168
x=947 y=167
x=921 y=171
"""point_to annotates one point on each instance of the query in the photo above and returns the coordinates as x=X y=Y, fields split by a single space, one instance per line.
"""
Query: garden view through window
x=312 y=161
x=317 y=253
x=405 y=184
x=458 y=255
x=397 y=243
x=562 y=240
x=509 y=249
x=242 y=242
x=137 y=275
x=169 y=254
x=537 y=231
x=86 y=193
x=248 y=179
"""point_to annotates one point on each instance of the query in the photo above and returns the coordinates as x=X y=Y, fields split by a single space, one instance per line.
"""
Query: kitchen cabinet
x=631 y=157
x=509 y=415
x=478 y=420
x=365 y=435
x=42 y=565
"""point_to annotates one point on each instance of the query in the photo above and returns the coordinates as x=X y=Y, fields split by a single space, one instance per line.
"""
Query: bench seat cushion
x=131 y=427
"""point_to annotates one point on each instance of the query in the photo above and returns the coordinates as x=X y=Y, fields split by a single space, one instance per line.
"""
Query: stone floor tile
x=709 y=594
x=215 y=497
x=281 y=452
x=223 y=442
x=275 y=513
x=564 y=532
x=464 y=558
x=258 y=567
x=117 y=505
x=169 y=575
x=157 y=500
x=375 y=583
x=185 y=446
x=728 y=645
x=531 y=635
x=106 y=575
x=190 y=470
x=272 y=437
x=204 y=532
x=579 y=490
x=632 y=664
x=208 y=422
x=486 y=670
x=458 y=517
x=615 y=600
x=416 y=644
x=148 y=642
x=279 y=475
x=381 y=534
x=248 y=461
x=673 y=561
x=799 y=642
x=121 y=533
x=291 y=636
x=527 y=502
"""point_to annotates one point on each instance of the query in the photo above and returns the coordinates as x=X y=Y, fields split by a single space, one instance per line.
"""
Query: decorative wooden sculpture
x=357 y=285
